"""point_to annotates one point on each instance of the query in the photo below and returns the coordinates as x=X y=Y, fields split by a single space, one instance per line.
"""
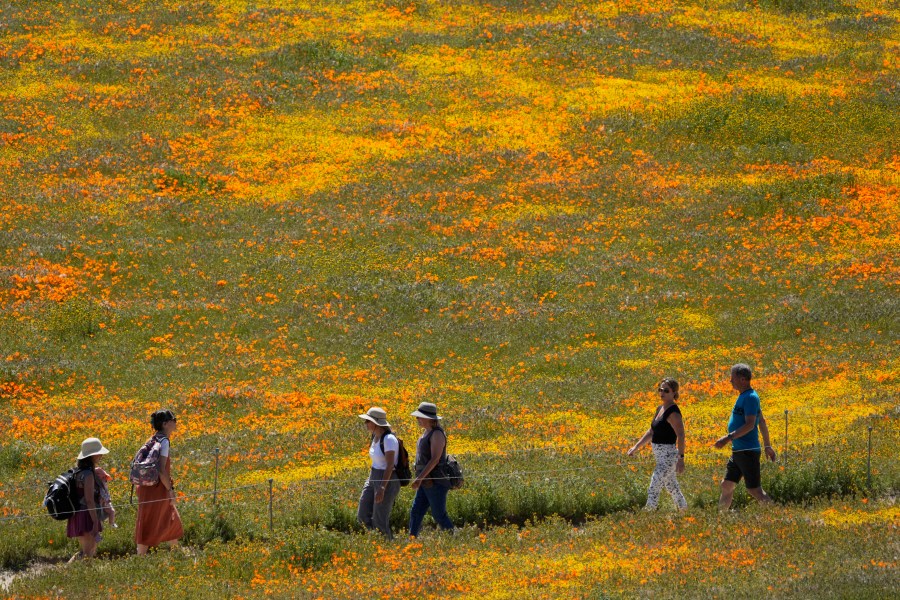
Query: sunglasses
x=664 y=390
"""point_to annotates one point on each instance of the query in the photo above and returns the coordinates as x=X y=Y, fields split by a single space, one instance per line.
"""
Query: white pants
x=664 y=476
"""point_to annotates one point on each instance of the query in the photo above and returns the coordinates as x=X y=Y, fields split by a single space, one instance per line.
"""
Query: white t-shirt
x=164 y=447
x=378 y=459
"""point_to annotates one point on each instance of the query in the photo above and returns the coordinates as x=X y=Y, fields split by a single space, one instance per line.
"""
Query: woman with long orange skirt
x=158 y=520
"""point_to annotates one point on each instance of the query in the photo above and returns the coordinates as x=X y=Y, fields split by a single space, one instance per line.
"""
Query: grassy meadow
x=269 y=216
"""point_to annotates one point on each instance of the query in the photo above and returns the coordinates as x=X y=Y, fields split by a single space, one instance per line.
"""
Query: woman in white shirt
x=382 y=486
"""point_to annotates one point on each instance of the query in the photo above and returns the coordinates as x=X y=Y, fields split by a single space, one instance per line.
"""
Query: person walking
x=666 y=434
x=744 y=427
x=382 y=486
x=430 y=483
x=86 y=523
x=158 y=520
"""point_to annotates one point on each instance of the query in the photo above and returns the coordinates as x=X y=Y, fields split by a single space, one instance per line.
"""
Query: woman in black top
x=431 y=484
x=667 y=436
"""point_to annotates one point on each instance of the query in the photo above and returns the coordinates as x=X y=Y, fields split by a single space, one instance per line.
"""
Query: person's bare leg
x=142 y=549
x=727 y=494
x=760 y=495
x=88 y=547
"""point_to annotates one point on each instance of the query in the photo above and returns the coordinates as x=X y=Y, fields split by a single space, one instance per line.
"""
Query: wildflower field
x=269 y=216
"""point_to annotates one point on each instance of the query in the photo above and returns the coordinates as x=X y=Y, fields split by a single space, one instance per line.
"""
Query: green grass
x=789 y=543
x=547 y=207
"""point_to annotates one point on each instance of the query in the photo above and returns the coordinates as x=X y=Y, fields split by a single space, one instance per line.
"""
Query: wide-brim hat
x=377 y=416
x=91 y=447
x=427 y=410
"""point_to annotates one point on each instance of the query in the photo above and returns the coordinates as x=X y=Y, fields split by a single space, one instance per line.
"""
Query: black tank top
x=662 y=431
x=423 y=451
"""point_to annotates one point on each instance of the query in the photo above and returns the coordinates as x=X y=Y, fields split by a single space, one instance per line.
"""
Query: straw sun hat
x=91 y=447
x=377 y=416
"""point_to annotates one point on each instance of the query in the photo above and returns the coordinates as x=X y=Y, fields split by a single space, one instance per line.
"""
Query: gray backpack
x=145 y=466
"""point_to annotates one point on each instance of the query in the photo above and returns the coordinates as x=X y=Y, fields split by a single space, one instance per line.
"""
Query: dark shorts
x=744 y=464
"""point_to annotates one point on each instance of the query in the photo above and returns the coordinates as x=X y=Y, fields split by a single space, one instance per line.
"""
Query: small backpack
x=60 y=499
x=145 y=466
x=448 y=470
x=453 y=472
x=404 y=473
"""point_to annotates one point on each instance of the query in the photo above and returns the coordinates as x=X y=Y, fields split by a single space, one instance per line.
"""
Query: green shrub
x=307 y=547
x=340 y=518
x=818 y=480
x=203 y=530
x=478 y=505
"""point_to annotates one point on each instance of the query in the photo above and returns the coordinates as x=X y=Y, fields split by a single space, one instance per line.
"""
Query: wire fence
x=803 y=419
x=595 y=457
x=133 y=505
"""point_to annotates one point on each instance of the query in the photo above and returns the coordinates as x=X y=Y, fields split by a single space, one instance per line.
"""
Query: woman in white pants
x=666 y=433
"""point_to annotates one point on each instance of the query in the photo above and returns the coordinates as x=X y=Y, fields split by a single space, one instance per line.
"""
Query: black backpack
x=404 y=473
x=453 y=473
x=61 y=499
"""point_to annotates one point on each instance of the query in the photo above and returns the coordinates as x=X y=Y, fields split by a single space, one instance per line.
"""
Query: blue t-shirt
x=747 y=404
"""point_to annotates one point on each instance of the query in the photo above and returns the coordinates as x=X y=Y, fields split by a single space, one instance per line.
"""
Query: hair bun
x=161 y=417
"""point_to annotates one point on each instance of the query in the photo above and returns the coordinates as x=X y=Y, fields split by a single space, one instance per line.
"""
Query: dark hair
x=742 y=370
x=387 y=430
x=671 y=384
x=86 y=463
x=161 y=417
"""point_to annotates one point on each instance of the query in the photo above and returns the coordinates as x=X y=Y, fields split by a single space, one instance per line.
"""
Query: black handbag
x=453 y=473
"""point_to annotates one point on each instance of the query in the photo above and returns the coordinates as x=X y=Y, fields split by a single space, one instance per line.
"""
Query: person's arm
x=747 y=427
x=641 y=442
x=677 y=424
x=89 y=502
x=437 y=450
x=165 y=478
x=764 y=431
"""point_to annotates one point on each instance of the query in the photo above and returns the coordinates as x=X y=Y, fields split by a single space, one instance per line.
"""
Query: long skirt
x=158 y=520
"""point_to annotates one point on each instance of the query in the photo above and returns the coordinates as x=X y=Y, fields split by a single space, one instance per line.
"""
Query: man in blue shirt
x=744 y=427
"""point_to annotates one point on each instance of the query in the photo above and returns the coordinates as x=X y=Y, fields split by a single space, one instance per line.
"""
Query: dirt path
x=8 y=577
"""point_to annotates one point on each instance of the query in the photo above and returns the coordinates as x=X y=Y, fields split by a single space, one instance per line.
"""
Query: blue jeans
x=434 y=497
